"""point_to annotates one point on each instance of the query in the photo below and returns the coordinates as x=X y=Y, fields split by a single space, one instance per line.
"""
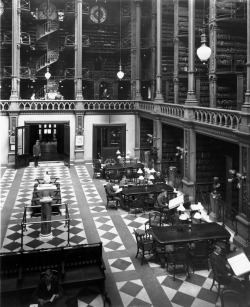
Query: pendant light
x=204 y=51
x=120 y=73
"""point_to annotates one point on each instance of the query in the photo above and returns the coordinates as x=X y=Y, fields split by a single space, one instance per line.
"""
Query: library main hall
x=125 y=153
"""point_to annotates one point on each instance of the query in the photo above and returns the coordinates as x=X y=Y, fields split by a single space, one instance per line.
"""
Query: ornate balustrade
x=227 y=119
x=46 y=105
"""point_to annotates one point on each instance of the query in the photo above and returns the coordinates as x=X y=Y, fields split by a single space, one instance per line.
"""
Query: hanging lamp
x=203 y=52
x=120 y=73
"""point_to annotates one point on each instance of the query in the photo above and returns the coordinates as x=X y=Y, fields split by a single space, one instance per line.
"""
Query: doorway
x=51 y=137
x=107 y=140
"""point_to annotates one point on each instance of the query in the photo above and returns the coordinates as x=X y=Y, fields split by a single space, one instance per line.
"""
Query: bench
x=83 y=264
x=78 y=265
x=10 y=272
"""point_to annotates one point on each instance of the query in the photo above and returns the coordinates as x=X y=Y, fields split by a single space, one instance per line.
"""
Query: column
x=212 y=60
x=16 y=24
x=138 y=49
x=158 y=141
x=78 y=50
x=137 y=136
x=133 y=50
x=191 y=96
x=159 y=96
x=79 y=137
x=153 y=49
x=189 y=162
x=176 y=52
x=240 y=91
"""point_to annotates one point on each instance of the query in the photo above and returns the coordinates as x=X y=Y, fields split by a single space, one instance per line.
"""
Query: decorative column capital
x=138 y=2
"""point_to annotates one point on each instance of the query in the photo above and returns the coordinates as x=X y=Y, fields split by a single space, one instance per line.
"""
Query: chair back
x=139 y=238
x=230 y=298
x=181 y=254
x=216 y=275
x=155 y=219
x=201 y=249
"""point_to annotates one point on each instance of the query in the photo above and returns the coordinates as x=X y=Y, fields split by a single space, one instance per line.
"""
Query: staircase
x=47 y=35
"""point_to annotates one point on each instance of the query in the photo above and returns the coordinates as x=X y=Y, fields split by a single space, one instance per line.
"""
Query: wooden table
x=120 y=168
x=179 y=233
x=145 y=189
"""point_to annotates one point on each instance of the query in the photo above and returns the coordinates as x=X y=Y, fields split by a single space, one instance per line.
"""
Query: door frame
x=22 y=160
x=123 y=138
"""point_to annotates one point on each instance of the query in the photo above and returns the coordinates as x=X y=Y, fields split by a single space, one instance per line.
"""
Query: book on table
x=239 y=262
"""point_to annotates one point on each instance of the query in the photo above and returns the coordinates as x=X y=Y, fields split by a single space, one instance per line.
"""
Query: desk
x=145 y=189
x=171 y=234
x=120 y=168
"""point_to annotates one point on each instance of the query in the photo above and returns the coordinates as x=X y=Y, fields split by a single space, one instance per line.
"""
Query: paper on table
x=119 y=190
x=239 y=263
x=33 y=305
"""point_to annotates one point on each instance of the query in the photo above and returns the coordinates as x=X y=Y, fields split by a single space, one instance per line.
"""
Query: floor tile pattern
x=5 y=184
x=193 y=292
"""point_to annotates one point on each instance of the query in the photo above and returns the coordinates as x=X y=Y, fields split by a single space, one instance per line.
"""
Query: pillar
x=138 y=49
x=159 y=96
x=191 y=95
x=153 y=49
x=78 y=50
x=79 y=137
x=16 y=24
x=158 y=142
x=176 y=52
x=189 y=162
x=212 y=60
x=137 y=136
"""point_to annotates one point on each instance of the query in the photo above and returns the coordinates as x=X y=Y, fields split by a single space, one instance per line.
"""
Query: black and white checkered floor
x=128 y=283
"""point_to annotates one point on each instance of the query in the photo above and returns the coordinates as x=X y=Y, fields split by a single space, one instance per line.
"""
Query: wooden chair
x=199 y=255
x=110 y=199
x=137 y=204
x=145 y=245
x=150 y=201
x=155 y=218
x=218 y=278
x=179 y=257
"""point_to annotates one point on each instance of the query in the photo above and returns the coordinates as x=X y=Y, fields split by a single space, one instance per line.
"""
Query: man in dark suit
x=48 y=291
x=223 y=268
x=162 y=199
x=110 y=191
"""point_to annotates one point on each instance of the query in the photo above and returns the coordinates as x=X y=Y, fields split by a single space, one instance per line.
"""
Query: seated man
x=48 y=291
x=110 y=191
x=123 y=181
x=162 y=199
x=98 y=166
x=159 y=178
x=223 y=268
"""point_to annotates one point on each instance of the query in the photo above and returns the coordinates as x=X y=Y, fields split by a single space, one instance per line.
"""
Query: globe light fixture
x=204 y=52
x=48 y=74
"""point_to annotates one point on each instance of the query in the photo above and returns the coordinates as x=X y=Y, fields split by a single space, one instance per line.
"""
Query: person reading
x=48 y=291
x=110 y=191
x=224 y=269
x=162 y=199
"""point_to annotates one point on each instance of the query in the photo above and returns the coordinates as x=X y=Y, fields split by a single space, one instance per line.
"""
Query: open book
x=239 y=262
